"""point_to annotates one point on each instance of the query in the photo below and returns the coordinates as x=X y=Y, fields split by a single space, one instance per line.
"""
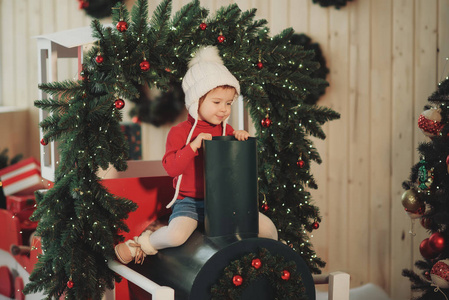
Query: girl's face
x=216 y=106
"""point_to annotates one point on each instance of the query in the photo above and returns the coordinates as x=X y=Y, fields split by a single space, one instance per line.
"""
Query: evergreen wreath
x=98 y=8
x=240 y=273
x=305 y=41
x=160 y=109
x=80 y=221
x=336 y=3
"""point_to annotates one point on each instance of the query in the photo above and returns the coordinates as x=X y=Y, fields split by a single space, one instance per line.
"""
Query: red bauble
x=99 y=59
x=315 y=225
x=83 y=4
x=203 y=26
x=266 y=122
x=122 y=26
x=427 y=251
x=145 y=65
x=426 y=222
x=70 y=284
x=259 y=65
x=256 y=263
x=44 y=142
x=237 y=280
x=440 y=274
x=300 y=163
x=430 y=122
x=285 y=275
x=136 y=120
x=436 y=242
x=265 y=207
x=221 y=38
x=119 y=103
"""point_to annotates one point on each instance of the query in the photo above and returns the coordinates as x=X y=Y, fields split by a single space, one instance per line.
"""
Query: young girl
x=209 y=89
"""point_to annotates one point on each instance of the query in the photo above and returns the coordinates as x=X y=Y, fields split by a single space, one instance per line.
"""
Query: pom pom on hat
x=209 y=54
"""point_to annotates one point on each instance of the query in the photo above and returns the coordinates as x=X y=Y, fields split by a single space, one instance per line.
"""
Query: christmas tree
x=80 y=221
x=426 y=197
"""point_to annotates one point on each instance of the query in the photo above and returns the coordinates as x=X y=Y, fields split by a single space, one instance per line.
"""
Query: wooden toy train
x=191 y=270
x=229 y=234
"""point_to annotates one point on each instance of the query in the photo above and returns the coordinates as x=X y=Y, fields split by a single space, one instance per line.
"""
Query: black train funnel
x=231 y=193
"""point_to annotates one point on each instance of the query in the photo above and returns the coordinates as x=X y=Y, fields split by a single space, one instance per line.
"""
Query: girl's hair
x=226 y=87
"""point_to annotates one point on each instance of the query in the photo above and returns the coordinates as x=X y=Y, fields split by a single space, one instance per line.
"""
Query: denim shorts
x=188 y=207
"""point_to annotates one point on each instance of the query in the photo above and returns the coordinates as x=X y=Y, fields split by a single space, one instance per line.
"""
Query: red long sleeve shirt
x=180 y=159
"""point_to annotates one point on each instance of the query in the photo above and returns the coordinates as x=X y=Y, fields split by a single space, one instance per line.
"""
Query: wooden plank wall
x=385 y=58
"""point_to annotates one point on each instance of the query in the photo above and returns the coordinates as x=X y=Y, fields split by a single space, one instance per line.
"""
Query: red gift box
x=22 y=178
x=21 y=206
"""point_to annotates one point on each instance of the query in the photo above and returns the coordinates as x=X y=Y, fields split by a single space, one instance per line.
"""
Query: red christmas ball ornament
x=430 y=122
x=70 y=284
x=259 y=65
x=285 y=275
x=122 y=26
x=427 y=251
x=44 y=142
x=203 y=26
x=237 y=280
x=119 y=103
x=256 y=263
x=221 y=38
x=300 y=163
x=136 y=120
x=144 y=65
x=315 y=225
x=426 y=222
x=440 y=274
x=99 y=59
x=266 y=122
x=83 y=4
x=437 y=242
x=265 y=207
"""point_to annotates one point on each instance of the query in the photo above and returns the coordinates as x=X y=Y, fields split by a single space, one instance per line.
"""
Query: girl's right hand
x=197 y=142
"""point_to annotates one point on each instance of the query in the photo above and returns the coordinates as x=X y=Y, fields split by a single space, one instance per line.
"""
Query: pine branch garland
x=254 y=266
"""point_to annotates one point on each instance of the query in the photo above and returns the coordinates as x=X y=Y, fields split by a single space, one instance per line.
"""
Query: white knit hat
x=206 y=71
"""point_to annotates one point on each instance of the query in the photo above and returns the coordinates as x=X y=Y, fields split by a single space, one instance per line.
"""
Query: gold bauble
x=411 y=201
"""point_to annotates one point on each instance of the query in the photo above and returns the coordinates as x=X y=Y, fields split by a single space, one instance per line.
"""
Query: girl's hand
x=197 y=142
x=241 y=135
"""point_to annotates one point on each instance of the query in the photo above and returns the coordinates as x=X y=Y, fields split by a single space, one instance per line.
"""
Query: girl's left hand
x=241 y=135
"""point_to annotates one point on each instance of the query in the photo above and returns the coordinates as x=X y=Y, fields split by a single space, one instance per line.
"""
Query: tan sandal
x=124 y=252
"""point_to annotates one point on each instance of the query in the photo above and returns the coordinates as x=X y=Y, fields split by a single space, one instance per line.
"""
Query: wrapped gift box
x=21 y=206
x=22 y=178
